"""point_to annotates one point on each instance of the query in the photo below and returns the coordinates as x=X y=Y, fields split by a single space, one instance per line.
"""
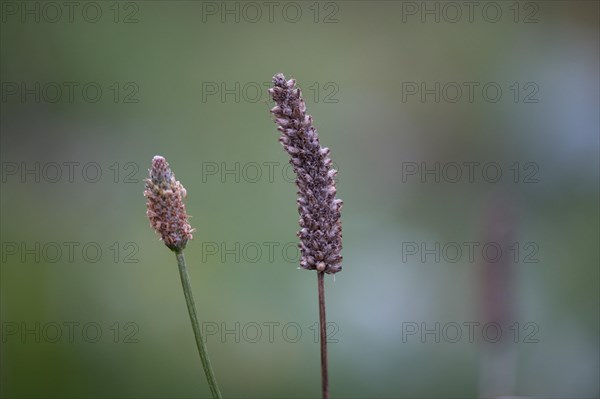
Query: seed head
x=320 y=226
x=165 y=207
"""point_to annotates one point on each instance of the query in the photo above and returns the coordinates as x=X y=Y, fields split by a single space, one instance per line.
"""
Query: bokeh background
x=181 y=79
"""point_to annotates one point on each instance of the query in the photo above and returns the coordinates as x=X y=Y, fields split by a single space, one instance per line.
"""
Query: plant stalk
x=323 y=340
x=189 y=300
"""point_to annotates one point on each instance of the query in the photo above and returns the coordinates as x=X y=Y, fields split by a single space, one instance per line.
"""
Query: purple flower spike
x=320 y=226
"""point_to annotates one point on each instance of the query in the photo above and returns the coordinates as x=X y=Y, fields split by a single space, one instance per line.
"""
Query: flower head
x=320 y=226
x=165 y=207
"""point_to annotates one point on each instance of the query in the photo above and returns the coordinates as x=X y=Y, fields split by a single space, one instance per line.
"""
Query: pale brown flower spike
x=321 y=229
x=165 y=207
x=166 y=211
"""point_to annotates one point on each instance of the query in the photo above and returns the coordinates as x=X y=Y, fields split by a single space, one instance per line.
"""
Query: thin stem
x=323 y=330
x=189 y=300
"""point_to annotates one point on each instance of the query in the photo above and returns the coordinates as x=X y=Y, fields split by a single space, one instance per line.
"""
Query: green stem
x=189 y=300
x=323 y=330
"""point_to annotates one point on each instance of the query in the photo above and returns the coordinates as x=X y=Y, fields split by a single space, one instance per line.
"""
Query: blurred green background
x=181 y=79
